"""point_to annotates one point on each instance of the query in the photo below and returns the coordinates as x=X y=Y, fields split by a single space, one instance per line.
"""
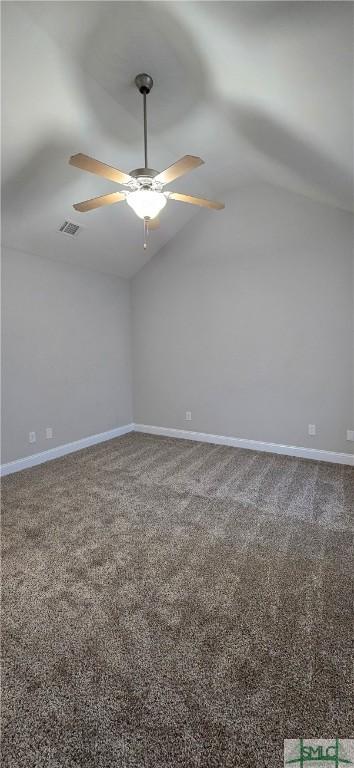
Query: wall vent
x=69 y=228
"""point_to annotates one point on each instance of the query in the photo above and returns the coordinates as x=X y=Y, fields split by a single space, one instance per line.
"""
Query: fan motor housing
x=148 y=173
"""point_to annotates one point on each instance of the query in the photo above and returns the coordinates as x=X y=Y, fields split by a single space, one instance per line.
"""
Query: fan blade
x=196 y=201
x=96 y=202
x=153 y=223
x=182 y=166
x=87 y=163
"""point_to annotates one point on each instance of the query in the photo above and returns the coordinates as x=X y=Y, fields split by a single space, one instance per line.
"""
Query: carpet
x=168 y=603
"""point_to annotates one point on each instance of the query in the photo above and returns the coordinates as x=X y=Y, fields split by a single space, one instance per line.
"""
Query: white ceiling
x=262 y=91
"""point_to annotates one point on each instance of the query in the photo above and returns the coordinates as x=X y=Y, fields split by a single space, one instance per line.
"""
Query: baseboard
x=62 y=450
x=253 y=445
x=203 y=437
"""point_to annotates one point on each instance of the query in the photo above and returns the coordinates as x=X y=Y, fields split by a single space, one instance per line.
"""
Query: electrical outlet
x=188 y=415
x=32 y=437
x=350 y=434
x=49 y=433
x=312 y=429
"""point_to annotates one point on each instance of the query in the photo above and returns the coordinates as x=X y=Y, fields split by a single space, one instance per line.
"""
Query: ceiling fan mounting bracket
x=144 y=83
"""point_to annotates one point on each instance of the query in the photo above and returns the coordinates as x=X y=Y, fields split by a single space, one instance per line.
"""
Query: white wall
x=65 y=353
x=246 y=319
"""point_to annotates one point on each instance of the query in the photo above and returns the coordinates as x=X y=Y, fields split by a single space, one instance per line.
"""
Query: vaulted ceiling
x=262 y=91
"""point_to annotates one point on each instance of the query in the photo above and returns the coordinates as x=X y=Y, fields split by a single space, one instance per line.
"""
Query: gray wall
x=65 y=353
x=246 y=319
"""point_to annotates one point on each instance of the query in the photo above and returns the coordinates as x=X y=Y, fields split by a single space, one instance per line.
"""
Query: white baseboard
x=62 y=450
x=253 y=445
x=202 y=437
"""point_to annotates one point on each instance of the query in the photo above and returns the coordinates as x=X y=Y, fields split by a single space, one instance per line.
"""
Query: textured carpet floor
x=168 y=603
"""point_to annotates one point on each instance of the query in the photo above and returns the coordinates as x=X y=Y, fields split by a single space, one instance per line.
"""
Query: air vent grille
x=69 y=228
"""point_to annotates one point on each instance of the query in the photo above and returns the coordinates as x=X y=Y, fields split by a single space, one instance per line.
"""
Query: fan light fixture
x=146 y=203
x=144 y=194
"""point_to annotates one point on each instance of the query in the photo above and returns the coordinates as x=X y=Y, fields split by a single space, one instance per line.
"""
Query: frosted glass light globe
x=147 y=203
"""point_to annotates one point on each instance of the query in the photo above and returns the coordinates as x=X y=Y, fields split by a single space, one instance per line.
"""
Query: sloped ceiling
x=262 y=91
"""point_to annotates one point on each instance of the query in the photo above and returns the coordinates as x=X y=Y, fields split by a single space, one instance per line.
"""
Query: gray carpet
x=168 y=603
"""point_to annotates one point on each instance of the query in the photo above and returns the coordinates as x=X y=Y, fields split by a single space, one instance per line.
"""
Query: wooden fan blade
x=196 y=201
x=153 y=223
x=87 y=163
x=182 y=166
x=96 y=202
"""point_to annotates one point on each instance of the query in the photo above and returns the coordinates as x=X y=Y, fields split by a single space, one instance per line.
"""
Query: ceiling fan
x=145 y=193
